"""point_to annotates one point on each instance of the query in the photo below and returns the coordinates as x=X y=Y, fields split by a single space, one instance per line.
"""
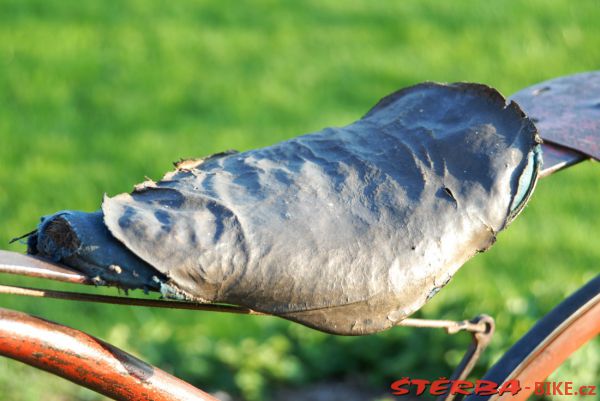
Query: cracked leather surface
x=347 y=230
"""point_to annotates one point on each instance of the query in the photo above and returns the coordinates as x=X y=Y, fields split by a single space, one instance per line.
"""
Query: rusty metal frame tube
x=88 y=361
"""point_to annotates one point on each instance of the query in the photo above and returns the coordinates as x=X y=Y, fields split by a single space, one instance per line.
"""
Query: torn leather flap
x=347 y=230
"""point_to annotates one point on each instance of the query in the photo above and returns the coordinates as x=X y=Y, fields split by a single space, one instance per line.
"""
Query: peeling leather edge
x=168 y=289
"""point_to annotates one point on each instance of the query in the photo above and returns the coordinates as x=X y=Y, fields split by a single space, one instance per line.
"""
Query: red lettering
x=568 y=388
x=439 y=386
x=443 y=386
x=485 y=387
x=398 y=386
x=421 y=385
x=556 y=388
x=540 y=388
x=583 y=390
x=511 y=386
x=461 y=387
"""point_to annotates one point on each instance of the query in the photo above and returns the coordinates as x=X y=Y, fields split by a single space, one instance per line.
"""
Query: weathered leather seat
x=347 y=230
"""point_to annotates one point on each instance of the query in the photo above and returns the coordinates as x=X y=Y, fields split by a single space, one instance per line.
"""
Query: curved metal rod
x=33 y=266
x=88 y=361
x=451 y=326
x=109 y=299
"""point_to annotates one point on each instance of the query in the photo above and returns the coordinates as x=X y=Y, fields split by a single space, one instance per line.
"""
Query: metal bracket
x=481 y=328
x=480 y=341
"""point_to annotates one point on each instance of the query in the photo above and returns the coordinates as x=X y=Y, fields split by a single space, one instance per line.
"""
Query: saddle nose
x=81 y=240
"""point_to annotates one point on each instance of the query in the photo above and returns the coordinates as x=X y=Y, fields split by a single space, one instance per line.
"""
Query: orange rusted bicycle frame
x=88 y=361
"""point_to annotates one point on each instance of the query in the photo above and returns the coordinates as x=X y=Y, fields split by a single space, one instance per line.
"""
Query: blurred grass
x=96 y=95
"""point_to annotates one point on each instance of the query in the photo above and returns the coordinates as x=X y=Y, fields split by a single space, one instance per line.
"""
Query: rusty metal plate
x=566 y=111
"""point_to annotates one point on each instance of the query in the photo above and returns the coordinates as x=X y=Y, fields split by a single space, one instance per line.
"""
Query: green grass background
x=96 y=95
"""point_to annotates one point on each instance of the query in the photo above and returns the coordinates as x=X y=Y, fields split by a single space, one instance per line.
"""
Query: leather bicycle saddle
x=346 y=230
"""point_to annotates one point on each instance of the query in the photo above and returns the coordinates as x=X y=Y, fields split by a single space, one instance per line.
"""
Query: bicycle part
x=481 y=340
x=566 y=111
x=548 y=344
x=566 y=92
x=108 y=299
x=563 y=91
x=481 y=329
x=33 y=266
x=556 y=158
x=88 y=361
x=563 y=158
x=476 y=325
